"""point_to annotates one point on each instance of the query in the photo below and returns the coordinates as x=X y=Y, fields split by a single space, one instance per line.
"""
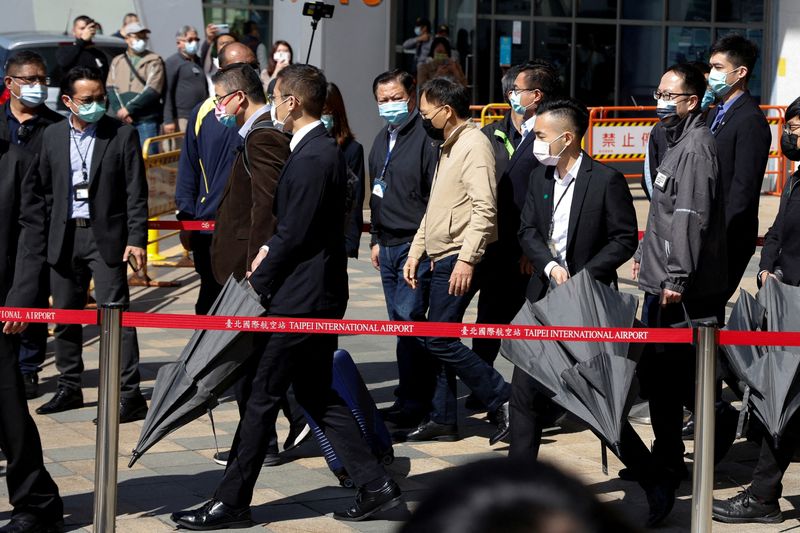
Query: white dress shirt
x=527 y=127
x=302 y=132
x=248 y=125
x=562 y=195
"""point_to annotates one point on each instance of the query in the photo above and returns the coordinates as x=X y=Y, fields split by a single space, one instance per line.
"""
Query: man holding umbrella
x=302 y=272
x=678 y=264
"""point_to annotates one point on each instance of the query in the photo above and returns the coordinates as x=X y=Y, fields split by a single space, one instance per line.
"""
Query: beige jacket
x=461 y=217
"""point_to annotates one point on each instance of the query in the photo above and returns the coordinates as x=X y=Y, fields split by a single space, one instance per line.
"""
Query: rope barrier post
x=705 y=398
x=107 y=445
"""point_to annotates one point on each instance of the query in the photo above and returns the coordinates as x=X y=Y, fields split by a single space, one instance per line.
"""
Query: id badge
x=82 y=191
x=379 y=188
x=661 y=180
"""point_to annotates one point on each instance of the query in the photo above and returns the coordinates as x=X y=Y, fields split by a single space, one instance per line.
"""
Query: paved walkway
x=299 y=496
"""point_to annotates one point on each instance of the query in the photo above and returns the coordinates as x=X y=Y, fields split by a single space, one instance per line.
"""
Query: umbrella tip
x=135 y=455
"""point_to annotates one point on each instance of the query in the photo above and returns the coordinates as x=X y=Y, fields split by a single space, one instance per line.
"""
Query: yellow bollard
x=152 y=245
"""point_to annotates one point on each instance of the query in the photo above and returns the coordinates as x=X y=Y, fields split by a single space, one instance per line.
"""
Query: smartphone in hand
x=133 y=263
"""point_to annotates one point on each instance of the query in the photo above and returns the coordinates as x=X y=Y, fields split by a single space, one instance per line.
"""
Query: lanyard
x=83 y=156
x=389 y=149
x=553 y=217
x=500 y=134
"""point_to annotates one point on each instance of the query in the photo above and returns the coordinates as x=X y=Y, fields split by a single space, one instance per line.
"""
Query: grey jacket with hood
x=684 y=247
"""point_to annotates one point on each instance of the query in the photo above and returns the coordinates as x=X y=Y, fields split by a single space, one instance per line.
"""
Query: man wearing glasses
x=93 y=177
x=22 y=122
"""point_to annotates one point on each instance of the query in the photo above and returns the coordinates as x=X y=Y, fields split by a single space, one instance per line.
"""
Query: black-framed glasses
x=218 y=99
x=89 y=100
x=791 y=128
x=667 y=96
x=32 y=80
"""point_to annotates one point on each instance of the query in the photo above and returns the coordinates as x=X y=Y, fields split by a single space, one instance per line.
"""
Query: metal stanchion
x=105 y=463
x=705 y=398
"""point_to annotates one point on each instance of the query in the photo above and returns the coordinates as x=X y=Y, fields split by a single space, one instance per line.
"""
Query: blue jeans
x=455 y=358
x=416 y=369
x=147 y=130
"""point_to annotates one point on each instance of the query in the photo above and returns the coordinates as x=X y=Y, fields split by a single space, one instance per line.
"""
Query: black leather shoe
x=687 y=432
x=503 y=425
x=661 y=499
x=403 y=418
x=298 y=433
x=433 y=431
x=28 y=523
x=62 y=400
x=744 y=508
x=369 y=502
x=132 y=409
x=629 y=474
x=213 y=515
x=31 y=382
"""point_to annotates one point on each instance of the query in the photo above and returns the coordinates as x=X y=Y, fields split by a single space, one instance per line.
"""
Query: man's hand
x=211 y=32
x=170 y=127
x=425 y=37
x=410 y=272
x=12 y=328
x=635 y=270
x=461 y=278
x=559 y=274
x=669 y=297
x=124 y=116
x=88 y=32
x=186 y=239
x=374 y=255
x=525 y=266
x=262 y=254
x=139 y=256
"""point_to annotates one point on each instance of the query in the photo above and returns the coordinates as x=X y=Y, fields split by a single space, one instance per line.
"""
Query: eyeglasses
x=432 y=116
x=518 y=91
x=271 y=99
x=32 y=80
x=790 y=128
x=667 y=96
x=89 y=100
x=218 y=99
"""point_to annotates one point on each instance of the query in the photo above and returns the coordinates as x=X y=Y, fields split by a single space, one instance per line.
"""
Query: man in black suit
x=578 y=215
x=504 y=271
x=301 y=272
x=93 y=176
x=22 y=122
x=31 y=491
x=743 y=140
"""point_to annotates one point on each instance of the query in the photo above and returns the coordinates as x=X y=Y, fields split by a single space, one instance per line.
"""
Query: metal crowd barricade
x=160 y=154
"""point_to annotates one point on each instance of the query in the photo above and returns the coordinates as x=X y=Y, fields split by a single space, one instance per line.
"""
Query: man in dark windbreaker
x=680 y=266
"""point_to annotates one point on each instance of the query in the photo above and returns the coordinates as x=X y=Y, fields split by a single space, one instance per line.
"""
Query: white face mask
x=273 y=113
x=139 y=46
x=541 y=149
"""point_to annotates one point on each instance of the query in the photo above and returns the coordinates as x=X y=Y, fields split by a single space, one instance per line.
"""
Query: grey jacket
x=684 y=247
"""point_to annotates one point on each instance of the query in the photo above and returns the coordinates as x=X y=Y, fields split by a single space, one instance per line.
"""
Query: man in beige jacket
x=458 y=224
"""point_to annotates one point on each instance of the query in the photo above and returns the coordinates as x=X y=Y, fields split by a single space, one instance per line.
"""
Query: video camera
x=318 y=10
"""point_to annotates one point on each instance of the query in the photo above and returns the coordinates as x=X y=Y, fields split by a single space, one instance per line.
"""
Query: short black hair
x=444 y=41
x=24 y=57
x=445 y=91
x=544 y=76
x=793 y=110
x=249 y=26
x=241 y=78
x=399 y=75
x=83 y=18
x=740 y=51
x=422 y=22
x=80 y=73
x=569 y=109
x=702 y=66
x=306 y=83
x=694 y=82
x=507 y=82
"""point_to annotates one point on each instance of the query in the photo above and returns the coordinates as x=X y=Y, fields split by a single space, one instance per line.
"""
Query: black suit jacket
x=743 y=140
x=46 y=116
x=305 y=271
x=117 y=188
x=602 y=233
x=245 y=219
x=22 y=227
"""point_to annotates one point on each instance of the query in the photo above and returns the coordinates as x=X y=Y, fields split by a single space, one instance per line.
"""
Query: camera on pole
x=317 y=11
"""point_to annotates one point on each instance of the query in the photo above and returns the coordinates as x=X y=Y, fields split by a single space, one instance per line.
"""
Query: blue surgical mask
x=417 y=31
x=666 y=109
x=327 y=121
x=223 y=117
x=191 y=47
x=708 y=99
x=515 y=100
x=394 y=112
x=32 y=95
x=91 y=112
x=718 y=81
x=139 y=46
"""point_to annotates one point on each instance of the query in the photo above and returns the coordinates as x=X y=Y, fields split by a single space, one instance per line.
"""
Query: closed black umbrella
x=591 y=380
x=207 y=367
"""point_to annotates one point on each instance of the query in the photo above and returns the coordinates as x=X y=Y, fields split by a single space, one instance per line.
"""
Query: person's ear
x=66 y=100
x=693 y=102
x=8 y=80
x=742 y=73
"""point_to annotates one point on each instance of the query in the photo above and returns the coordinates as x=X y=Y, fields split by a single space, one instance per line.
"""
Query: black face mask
x=789 y=146
x=437 y=134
